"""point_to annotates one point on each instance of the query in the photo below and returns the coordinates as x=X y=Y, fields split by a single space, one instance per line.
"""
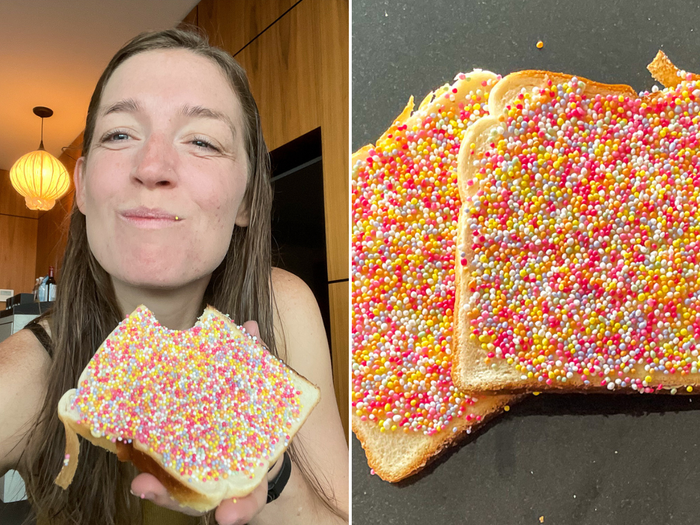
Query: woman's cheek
x=222 y=204
x=103 y=186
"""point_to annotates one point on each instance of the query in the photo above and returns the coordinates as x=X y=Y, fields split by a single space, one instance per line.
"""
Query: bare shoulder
x=24 y=368
x=290 y=291
x=297 y=316
x=301 y=336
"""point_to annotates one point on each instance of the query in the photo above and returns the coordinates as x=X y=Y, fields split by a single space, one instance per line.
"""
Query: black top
x=40 y=333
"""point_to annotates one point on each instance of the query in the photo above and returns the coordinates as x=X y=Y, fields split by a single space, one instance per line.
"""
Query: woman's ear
x=243 y=217
x=79 y=181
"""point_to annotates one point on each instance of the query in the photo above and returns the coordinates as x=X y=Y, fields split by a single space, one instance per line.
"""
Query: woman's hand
x=230 y=512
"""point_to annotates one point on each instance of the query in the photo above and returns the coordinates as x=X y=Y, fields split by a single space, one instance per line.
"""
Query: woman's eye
x=201 y=143
x=115 y=136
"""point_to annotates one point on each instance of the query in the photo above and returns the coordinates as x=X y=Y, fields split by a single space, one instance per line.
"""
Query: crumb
x=540 y=44
x=541 y=519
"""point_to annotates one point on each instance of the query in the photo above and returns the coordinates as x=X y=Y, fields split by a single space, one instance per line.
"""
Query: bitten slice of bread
x=205 y=410
x=405 y=202
x=578 y=240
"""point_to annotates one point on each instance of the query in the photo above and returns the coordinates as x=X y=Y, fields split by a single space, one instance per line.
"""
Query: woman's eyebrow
x=202 y=112
x=128 y=105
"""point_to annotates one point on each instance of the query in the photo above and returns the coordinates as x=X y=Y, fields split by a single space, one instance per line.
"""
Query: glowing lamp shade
x=40 y=178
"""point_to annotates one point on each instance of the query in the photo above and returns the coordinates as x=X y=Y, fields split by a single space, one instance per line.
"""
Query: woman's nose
x=156 y=163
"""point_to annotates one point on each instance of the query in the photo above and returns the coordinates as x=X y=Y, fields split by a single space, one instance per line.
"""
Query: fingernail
x=132 y=492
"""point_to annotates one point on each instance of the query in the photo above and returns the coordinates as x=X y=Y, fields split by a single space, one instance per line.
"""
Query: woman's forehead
x=171 y=76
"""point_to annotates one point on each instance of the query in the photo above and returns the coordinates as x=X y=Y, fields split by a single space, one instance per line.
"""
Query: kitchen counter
x=27 y=309
x=567 y=459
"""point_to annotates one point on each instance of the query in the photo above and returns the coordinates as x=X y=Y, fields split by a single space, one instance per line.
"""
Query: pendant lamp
x=39 y=176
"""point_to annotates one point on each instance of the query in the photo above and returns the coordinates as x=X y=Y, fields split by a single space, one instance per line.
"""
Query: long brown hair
x=86 y=311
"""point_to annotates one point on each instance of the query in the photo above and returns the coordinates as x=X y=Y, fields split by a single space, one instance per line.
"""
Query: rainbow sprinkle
x=405 y=208
x=586 y=239
x=211 y=402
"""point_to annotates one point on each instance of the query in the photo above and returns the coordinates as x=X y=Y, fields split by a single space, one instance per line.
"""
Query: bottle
x=37 y=283
x=41 y=291
x=51 y=286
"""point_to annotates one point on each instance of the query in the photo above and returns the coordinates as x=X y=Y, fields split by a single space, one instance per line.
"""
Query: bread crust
x=395 y=456
x=471 y=373
x=663 y=70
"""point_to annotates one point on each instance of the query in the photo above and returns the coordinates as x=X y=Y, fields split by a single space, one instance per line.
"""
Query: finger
x=147 y=486
x=237 y=511
x=252 y=328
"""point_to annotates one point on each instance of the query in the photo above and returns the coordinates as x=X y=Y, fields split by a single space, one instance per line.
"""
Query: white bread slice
x=490 y=151
x=174 y=381
x=397 y=448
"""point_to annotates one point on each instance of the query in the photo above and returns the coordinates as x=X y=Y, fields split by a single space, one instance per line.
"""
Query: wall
x=18 y=239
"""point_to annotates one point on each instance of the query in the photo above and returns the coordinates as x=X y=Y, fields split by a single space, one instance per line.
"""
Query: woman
x=172 y=210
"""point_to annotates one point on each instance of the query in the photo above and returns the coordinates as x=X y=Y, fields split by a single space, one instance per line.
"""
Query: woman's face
x=163 y=183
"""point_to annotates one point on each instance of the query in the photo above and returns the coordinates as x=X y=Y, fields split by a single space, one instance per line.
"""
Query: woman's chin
x=157 y=277
x=159 y=283
x=158 y=267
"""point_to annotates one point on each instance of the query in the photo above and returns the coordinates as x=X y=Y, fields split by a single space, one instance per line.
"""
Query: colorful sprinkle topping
x=586 y=239
x=405 y=208
x=210 y=401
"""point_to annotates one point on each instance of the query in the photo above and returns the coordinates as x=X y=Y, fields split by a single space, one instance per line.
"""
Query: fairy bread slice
x=578 y=247
x=405 y=204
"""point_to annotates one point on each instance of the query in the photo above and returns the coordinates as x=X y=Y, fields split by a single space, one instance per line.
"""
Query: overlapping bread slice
x=405 y=201
x=205 y=410
x=578 y=245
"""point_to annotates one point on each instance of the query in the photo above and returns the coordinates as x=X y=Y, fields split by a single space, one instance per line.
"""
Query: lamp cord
x=41 y=145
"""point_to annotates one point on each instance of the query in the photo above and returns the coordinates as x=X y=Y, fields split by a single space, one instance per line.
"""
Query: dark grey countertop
x=597 y=459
